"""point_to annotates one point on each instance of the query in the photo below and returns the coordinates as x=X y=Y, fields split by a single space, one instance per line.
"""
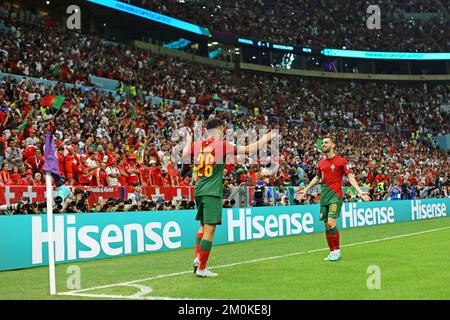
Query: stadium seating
x=383 y=129
x=406 y=25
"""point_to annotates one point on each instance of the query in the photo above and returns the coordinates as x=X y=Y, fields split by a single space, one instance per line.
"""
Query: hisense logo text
x=259 y=226
x=111 y=240
x=353 y=217
x=427 y=211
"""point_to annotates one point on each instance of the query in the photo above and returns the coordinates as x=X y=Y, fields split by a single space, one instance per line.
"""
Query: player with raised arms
x=209 y=158
x=330 y=171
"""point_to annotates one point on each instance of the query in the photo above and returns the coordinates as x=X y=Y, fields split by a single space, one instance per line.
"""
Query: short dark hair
x=214 y=123
x=331 y=139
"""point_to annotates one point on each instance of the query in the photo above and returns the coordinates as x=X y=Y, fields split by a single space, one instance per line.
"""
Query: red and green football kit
x=331 y=171
x=209 y=158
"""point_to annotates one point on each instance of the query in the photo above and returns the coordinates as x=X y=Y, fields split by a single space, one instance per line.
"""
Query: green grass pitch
x=412 y=258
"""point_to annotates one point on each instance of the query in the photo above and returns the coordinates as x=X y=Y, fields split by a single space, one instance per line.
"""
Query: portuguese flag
x=52 y=101
x=135 y=111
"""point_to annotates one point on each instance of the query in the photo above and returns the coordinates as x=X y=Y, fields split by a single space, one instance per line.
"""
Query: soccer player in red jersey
x=209 y=158
x=330 y=170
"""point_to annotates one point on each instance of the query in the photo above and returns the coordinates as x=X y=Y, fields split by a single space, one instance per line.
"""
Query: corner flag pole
x=50 y=167
x=51 y=250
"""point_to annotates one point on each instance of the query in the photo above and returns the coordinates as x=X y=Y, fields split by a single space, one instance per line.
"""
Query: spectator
x=13 y=155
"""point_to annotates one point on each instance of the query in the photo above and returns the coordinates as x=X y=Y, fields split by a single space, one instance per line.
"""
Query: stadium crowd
x=318 y=24
x=121 y=139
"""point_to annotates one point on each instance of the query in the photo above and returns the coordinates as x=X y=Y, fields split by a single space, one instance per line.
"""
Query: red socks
x=329 y=240
x=205 y=249
x=198 y=239
x=334 y=238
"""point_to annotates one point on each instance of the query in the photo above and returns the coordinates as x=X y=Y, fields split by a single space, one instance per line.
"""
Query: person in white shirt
x=113 y=174
x=91 y=162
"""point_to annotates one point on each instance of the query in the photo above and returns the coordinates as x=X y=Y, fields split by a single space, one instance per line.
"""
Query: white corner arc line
x=77 y=292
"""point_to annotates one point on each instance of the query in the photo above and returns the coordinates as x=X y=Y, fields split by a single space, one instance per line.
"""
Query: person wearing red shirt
x=83 y=175
x=111 y=155
x=253 y=179
x=15 y=176
x=330 y=171
x=100 y=154
x=28 y=152
x=172 y=172
x=61 y=162
x=28 y=180
x=165 y=180
x=132 y=169
x=5 y=177
x=38 y=180
x=99 y=175
x=123 y=172
x=36 y=162
x=69 y=160
x=155 y=174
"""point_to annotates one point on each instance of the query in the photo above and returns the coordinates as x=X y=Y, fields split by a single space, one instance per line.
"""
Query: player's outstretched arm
x=256 y=145
x=354 y=183
x=187 y=147
x=303 y=192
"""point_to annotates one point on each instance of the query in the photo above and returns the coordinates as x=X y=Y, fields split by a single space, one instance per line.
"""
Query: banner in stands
x=12 y=194
x=80 y=237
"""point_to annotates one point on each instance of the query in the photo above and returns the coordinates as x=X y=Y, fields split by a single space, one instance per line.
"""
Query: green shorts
x=209 y=209
x=331 y=210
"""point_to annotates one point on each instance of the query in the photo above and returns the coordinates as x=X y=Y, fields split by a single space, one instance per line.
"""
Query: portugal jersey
x=331 y=171
x=209 y=159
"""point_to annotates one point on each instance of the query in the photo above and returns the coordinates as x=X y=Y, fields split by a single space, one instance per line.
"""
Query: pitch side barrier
x=80 y=237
